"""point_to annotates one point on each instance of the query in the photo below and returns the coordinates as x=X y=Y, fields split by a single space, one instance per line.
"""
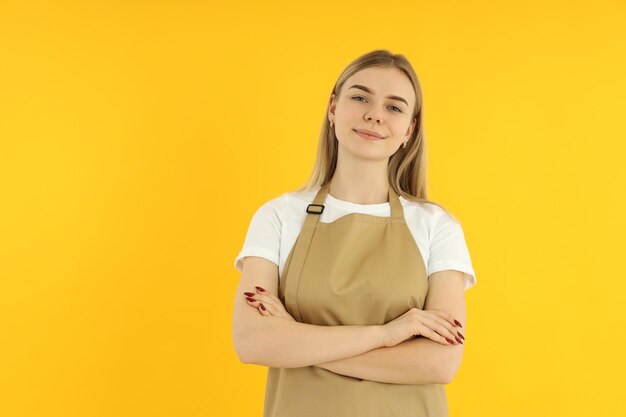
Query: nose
x=376 y=118
x=374 y=114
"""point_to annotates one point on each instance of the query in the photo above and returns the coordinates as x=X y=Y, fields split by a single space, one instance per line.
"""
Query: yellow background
x=138 y=138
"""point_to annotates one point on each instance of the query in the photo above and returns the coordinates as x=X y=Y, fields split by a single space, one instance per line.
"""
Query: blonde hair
x=407 y=167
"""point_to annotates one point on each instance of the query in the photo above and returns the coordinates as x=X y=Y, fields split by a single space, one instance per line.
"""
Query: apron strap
x=397 y=212
x=314 y=212
x=303 y=243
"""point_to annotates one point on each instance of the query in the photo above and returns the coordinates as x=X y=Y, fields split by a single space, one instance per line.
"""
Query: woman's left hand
x=268 y=304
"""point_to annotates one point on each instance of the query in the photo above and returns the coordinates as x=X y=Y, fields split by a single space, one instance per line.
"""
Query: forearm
x=415 y=361
x=282 y=343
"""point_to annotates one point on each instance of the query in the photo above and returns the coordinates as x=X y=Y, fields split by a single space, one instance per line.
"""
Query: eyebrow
x=367 y=90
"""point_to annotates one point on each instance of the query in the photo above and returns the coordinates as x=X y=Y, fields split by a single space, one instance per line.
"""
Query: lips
x=368 y=134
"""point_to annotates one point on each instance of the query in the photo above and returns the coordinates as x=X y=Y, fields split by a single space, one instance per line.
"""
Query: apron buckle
x=308 y=209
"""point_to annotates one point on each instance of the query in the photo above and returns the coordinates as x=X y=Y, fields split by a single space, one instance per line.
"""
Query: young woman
x=352 y=287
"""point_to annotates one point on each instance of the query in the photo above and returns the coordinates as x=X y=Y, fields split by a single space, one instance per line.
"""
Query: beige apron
x=360 y=269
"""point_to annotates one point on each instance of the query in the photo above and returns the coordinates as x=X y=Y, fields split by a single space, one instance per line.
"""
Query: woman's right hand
x=437 y=325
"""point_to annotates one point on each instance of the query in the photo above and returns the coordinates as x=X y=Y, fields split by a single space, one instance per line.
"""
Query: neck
x=360 y=181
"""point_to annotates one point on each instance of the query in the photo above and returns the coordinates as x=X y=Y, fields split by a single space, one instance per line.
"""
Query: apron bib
x=360 y=269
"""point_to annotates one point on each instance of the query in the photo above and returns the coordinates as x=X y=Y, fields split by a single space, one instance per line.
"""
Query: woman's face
x=373 y=99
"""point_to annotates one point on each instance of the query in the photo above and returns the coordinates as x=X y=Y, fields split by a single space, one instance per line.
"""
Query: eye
x=396 y=107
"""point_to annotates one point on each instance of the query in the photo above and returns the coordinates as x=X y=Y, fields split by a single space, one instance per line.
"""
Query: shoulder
x=297 y=200
x=279 y=206
x=427 y=212
x=435 y=223
x=300 y=197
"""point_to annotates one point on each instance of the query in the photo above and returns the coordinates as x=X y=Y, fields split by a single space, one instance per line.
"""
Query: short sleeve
x=448 y=249
x=263 y=236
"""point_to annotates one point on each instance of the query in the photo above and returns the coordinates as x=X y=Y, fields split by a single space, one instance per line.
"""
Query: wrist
x=377 y=336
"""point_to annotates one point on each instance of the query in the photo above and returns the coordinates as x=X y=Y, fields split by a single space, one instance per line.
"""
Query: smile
x=366 y=136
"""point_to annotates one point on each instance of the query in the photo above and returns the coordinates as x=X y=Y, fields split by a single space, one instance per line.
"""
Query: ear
x=331 y=107
x=410 y=132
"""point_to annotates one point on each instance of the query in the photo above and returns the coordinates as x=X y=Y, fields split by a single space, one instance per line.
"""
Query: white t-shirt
x=275 y=226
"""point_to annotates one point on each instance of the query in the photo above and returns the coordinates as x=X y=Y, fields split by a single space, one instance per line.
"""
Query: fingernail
x=458 y=340
x=260 y=289
x=457 y=323
x=262 y=307
x=449 y=341
x=461 y=335
x=250 y=299
x=249 y=294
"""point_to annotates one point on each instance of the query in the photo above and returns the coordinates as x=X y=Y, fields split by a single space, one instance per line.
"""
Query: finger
x=272 y=302
x=265 y=297
x=441 y=327
x=436 y=337
x=261 y=298
x=450 y=331
x=267 y=305
x=444 y=318
x=269 y=310
x=257 y=297
x=275 y=309
x=264 y=310
x=277 y=303
x=448 y=334
x=268 y=295
x=448 y=317
x=454 y=329
x=253 y=302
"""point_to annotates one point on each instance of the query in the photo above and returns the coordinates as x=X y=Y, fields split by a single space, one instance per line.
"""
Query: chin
x=366 y=152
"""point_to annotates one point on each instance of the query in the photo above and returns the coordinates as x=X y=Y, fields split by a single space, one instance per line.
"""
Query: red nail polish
x=260 y=289
x=461 y=335
x=262 y=307
x=449 y=341
x=252 y=300
x=249 y=294
x=458 y=340
x=457 y=323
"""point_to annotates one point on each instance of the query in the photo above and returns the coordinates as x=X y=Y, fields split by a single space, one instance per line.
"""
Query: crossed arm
x=419 y=360
x=353 y=350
